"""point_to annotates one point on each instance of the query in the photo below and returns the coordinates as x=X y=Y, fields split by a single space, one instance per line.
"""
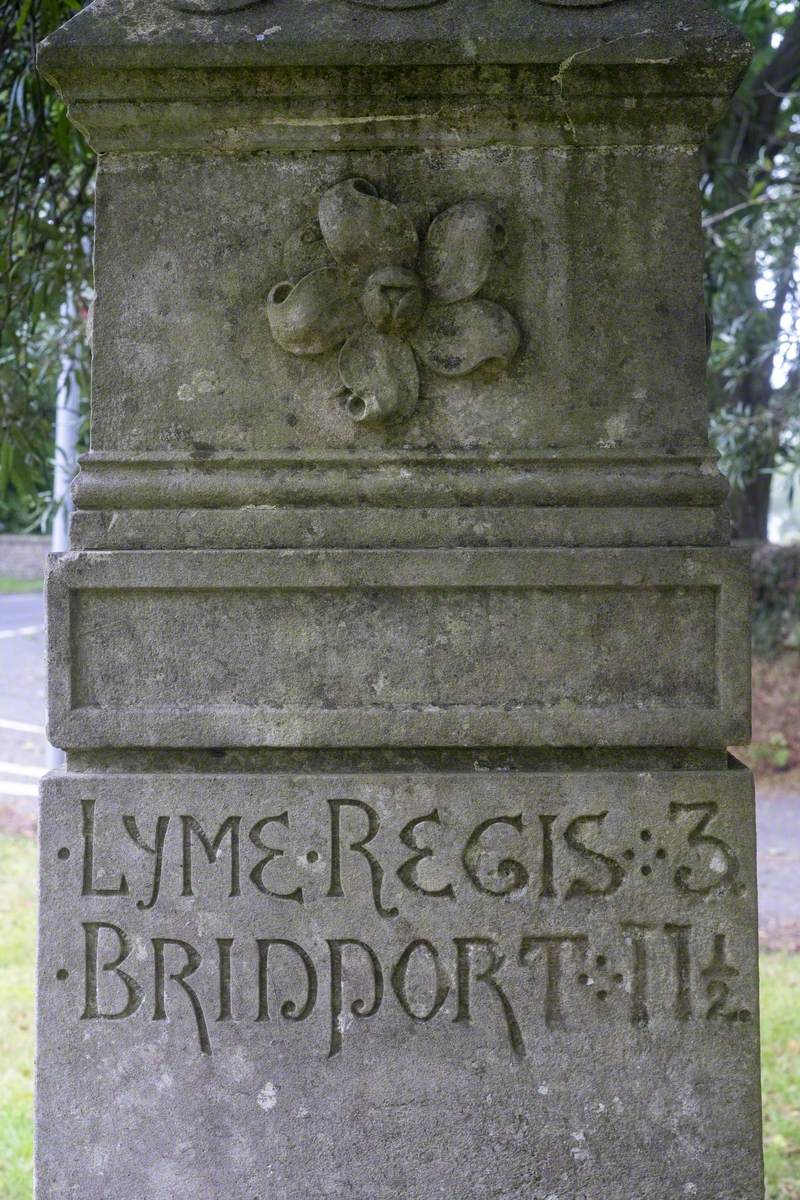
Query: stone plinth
x=400 y=984
x=400 y=642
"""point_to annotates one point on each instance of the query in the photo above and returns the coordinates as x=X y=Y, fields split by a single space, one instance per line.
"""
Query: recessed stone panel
x=520 y=985
x=184 y=357
x=458 y=648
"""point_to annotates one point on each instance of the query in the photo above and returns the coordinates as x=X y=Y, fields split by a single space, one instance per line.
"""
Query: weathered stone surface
x=339 y=648
x=115 y=34
x=265 y=528
x=567 y=126
x=613 y=352
x=204 y=498
x=401 y=640
x=525 y=985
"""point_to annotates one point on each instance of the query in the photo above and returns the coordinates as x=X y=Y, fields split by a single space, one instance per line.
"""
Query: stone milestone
x=398 y=852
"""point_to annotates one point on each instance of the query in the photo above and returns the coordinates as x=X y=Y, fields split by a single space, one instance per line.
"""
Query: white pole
x=68 y=419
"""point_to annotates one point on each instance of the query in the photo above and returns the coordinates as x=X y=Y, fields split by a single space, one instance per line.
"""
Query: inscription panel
x=349 y=648
x=427 y=961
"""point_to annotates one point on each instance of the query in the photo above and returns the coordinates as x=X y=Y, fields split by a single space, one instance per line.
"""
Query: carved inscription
x=501 y=856
x=372 y=881
x=456 y=968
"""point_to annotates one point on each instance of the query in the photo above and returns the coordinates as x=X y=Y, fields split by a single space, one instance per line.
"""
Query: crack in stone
x=567 y=63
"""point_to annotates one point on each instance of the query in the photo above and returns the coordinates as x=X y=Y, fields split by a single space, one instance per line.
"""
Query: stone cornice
x=151 y=33
x=647 y=113
x=281 y=75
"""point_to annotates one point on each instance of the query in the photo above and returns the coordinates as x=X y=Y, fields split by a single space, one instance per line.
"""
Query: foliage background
x=46 y=181
x=751 y=193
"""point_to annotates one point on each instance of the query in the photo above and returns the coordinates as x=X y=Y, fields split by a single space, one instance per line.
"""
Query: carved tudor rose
x=358 y=279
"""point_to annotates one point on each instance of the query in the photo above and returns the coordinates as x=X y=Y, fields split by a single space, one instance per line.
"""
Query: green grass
x=780 y=1017
x=17 y=922
x=9 y=585
x=780 y=1002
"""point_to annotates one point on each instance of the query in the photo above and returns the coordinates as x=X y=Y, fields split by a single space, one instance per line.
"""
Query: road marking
x=18 y=789
x=21 y=726
x=11 y=768
x=23 y=631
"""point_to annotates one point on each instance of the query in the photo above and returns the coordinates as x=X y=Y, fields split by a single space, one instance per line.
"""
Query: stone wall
x=23 y=556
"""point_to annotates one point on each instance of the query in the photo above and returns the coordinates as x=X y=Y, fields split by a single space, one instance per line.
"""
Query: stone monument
x=398 y=853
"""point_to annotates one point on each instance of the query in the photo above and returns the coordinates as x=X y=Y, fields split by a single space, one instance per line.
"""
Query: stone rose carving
x=358 y=279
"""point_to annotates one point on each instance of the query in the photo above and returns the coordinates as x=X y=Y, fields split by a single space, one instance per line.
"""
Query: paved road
x=24 y=757
x=23 y=747
x=778 y=815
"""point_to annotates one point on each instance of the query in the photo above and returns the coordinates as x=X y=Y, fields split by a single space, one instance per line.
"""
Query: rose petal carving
x=311 y=316
x=305 y=251
x=393 y=300
x=455 y=339
x=459 y=250
x=362 y=230
x=381 y=374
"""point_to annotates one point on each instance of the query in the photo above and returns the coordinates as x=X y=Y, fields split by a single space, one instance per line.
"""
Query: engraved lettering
x=135 y=993
x=360 y=847
x=399 y=980
x=193 y=961
x=224 y=946
x=359 y=1007
x=289 y=1009
x=511 y=872
x=553 y=945
x=636 y=936
x=548 y=891
x=723 y=862
x=717 y=977
x=90 y=888
x=644 y=970
x=212 y=849
x=464 y=968
x=407 y=872
x=257 y=873
x=615 y=872
x=132 y=829
x=679 y=936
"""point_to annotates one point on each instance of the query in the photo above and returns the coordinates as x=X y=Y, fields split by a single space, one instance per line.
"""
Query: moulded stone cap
x=366 y=74
x=261 y=33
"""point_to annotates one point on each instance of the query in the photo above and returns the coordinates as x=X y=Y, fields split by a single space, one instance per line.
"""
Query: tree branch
x=756 y=128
